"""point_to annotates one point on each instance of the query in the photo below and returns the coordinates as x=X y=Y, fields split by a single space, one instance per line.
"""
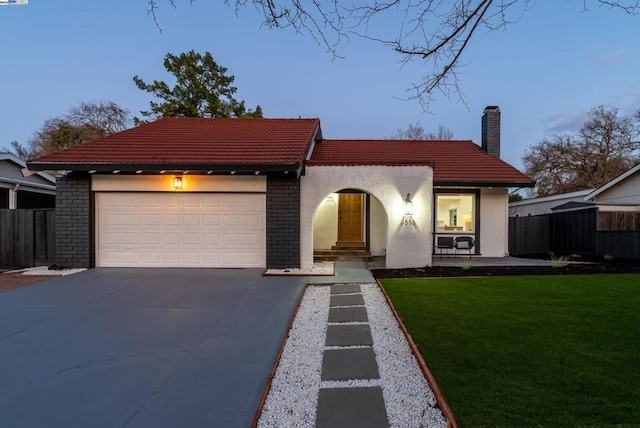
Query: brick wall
x=491 y=130
x=73 y=222
x=283 y=223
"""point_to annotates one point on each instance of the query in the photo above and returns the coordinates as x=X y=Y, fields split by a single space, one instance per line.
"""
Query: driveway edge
x=276 y=362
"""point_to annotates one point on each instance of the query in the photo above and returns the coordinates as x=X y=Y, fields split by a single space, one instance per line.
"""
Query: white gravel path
x=293 y=397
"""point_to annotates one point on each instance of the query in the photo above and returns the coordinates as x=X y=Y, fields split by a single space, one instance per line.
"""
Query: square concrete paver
x=357 y=314
x=351 y=407
x=349 y=335
x=346 y=300
x=345 y=288
x=347 y=364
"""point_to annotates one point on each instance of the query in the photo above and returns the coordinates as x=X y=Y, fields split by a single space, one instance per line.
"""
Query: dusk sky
x=545 y=72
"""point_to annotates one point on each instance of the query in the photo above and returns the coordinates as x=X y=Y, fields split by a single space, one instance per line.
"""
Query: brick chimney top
x=491 y=130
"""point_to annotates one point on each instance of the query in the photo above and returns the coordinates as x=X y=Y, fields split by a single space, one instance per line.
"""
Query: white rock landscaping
x=293 y=397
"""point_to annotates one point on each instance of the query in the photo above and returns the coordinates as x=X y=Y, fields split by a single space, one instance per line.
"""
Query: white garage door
x=180 y=230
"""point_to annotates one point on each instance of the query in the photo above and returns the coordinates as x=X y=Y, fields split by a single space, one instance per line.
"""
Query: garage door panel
x=152 y=219
x=231 y=202
x=212 y=220
x=192 y=239
x=152 y=258
x=132 y=220
x=180 y=229
x=193 y=220
x=172 y=219
x=123 y=239
x=152 y=239
x=241 y=239
x=212 y=239
x=241 y=220
x=235 y=259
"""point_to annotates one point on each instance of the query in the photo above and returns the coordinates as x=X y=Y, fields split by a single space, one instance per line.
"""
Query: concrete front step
x=346 y=254
x=343 y=252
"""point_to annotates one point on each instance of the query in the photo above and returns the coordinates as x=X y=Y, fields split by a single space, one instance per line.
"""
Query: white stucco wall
x=378 y=230
x=494 y=222
x=325 y=224
x=406 y=246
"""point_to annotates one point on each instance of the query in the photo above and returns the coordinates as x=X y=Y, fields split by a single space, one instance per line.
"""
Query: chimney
x=491 y=130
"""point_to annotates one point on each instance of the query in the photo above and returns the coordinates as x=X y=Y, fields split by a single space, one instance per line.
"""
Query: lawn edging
x=440 y=400
x=276 y=362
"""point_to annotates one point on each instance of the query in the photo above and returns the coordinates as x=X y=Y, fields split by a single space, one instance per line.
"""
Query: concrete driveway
x=141 y=347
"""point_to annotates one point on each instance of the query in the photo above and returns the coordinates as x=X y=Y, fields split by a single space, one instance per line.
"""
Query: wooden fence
x=27 y=237
x=587 y=232
x=574 y=232
x=529 y=235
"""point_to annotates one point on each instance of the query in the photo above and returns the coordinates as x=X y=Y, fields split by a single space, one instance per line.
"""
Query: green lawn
x=529 y=351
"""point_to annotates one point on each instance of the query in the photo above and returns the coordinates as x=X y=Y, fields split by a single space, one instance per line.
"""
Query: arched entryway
x=405 y=245
x=349 y=223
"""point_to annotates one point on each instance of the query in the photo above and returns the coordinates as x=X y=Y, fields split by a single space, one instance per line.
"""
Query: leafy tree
x=85 y=122
x=415 y=131
x=434 y=32
x=515 y=197
x=607 y=145
x=202 y=89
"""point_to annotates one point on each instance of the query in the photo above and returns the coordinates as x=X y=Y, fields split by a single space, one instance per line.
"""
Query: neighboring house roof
x=612 y=183
x=560 y=197
x=11 y=175
x=455 y=163
x=221 y=144
x=573 y=205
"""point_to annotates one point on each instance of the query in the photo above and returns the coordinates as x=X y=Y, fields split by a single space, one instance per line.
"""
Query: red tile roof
x=454 y=162
x=273 y=145
x=179 y=142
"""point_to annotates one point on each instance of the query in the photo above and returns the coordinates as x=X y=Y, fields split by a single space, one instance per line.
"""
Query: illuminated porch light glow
x=407 y=219
x=115 y=171
x=177 y=183
x=209 y=172
x=408 y=205
x=138 y=171
x=257 y=172
x=162 y=171
x=92 y=171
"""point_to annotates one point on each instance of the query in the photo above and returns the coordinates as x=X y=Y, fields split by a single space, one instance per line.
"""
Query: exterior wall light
x=408 y=211
x=408 y=205
x=177 y=183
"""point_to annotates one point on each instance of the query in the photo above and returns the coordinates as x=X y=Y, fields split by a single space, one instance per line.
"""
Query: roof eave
x=484 y=183
x=152 y=167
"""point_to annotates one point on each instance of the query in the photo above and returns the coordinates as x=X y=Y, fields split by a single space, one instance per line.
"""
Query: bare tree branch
x=436 y=32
